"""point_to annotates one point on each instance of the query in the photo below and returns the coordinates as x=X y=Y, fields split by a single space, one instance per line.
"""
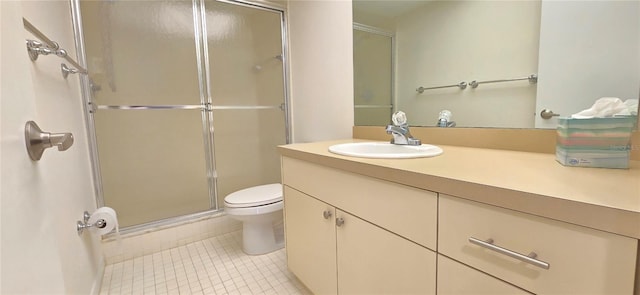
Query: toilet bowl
x=259 y=208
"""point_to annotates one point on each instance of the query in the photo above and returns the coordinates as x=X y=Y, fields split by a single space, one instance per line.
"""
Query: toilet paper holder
x=81 y=225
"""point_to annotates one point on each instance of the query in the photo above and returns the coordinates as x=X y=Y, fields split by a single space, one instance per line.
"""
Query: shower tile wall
x=146 y=242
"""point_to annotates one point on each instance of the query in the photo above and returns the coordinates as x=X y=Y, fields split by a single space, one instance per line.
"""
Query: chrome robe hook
x=37 y=140
x=67 y=70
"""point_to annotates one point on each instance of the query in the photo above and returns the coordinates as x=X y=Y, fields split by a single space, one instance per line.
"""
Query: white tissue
x=632 y=105
x=605 y=107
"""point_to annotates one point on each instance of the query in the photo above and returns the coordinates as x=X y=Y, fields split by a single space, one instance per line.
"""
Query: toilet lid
x=255 y=196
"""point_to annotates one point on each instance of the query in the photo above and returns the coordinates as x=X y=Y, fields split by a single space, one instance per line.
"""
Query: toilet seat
x=255 y=210
x=255 y=196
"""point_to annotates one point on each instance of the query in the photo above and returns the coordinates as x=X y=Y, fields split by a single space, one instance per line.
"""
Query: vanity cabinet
x=341 y=233
x=580 y=260
x=347 y=234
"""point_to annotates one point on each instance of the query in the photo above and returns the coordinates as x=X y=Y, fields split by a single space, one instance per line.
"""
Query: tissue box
x=595 y=142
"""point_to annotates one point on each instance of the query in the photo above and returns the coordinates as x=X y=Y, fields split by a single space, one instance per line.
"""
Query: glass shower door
x=373 y=75
x=148 y=108
x=246 y=86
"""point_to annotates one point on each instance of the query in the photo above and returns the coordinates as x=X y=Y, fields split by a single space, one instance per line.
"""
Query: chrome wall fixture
x=47 y=46
x=37 y=140
x=81 y=225
x=531 y=258
x=461 y=85
x=548 y=114
x=533 y=78
x=67 y=70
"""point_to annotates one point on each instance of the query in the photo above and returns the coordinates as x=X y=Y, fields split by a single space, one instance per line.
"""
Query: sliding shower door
x=372 y=75
x=143 y=67
x=245 y=51
x=163 y=92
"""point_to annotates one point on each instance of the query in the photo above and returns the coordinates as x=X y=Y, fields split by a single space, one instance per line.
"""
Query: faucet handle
x=399 y=118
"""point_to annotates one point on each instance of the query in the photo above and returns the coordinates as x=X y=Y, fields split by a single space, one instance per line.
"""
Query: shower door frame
x=381 y=32
x=206 y=106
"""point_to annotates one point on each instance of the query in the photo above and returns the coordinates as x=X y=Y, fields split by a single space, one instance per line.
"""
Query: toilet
x=259 y=208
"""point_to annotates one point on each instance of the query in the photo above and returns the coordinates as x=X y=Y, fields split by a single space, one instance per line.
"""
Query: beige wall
x=41 y=201
x=320 y=42
x=597 y=44
x=447 y=42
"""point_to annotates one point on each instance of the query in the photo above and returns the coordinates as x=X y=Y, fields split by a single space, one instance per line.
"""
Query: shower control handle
x=327 y=214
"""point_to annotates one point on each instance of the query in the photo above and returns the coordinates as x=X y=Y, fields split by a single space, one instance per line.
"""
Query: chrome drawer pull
x=488 y=244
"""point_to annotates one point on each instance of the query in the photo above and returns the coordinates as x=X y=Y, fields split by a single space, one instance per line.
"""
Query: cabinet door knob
x=339 y=221
x=326 y=214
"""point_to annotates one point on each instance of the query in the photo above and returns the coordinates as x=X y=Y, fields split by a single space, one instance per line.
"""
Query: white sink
x=385 y=150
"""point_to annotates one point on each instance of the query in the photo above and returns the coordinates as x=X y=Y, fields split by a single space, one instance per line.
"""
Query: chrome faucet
x=444 y=119
x=400 y=130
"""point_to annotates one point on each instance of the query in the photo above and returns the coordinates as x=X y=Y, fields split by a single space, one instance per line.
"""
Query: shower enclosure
x=186 y=102
x=373 y=73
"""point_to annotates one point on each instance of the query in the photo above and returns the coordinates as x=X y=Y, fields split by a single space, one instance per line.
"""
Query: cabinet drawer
x=455 y=278
x=406 y=211
x=581 y=260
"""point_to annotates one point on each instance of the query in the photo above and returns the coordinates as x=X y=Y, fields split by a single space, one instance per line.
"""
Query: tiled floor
x=212 y=266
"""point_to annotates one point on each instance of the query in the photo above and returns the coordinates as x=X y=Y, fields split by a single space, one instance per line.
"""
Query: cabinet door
x=458 y=279
x=310 y=241
x=372 y=260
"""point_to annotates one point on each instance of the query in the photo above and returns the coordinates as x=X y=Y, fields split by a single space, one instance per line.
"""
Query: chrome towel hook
x=37 y=140
x=46 y=46
x=67 y=70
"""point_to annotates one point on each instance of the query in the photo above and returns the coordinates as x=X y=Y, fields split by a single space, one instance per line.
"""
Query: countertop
x=534 y=183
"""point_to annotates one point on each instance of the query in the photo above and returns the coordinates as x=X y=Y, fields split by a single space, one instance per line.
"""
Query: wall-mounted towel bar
x=461 y=85
x=373 y=106
x=533 y=78
x=48 y=46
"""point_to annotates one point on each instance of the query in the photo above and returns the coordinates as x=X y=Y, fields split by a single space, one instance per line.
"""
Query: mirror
x=579 y=51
